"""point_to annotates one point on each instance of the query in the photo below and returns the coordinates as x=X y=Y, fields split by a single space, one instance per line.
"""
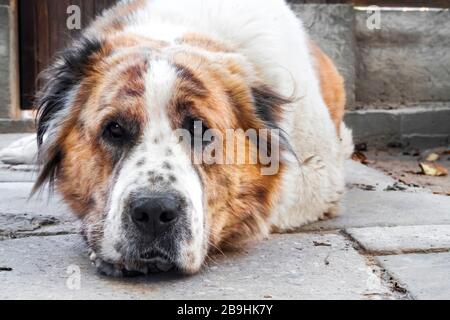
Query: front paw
x=106 y=268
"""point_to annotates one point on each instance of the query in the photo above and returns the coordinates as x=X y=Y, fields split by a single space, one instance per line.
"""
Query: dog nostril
x=168 y=216
x=140 y=216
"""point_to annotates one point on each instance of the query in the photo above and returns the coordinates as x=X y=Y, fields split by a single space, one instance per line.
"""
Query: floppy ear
x=270 y=107
x=54 y=105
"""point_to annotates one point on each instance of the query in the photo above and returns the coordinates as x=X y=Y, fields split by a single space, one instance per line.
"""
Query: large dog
x=114 y=100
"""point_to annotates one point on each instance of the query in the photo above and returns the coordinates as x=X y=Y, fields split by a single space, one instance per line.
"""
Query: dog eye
x=114 y=131
x=196 y=128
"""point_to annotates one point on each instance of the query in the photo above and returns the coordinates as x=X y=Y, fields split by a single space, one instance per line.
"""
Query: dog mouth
x=146 y=263
x=156 y=261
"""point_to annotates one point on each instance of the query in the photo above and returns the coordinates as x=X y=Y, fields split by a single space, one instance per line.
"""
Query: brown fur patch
x=331 y=85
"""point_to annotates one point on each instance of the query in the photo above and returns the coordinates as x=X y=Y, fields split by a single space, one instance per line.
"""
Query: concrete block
x=19 y=126
x=331 y=26
x=375 y=127
x=425 y=276
x=387 y=209
x=422 y=126
x=406 y=60
x=5 y=96
x=402 y=239
x=427 y=121
x=283 y=267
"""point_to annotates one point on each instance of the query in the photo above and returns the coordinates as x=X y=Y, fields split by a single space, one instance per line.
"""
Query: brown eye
x=114 y=131
x=197 y=129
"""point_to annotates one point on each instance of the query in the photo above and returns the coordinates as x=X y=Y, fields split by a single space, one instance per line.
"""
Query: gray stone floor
x=385 y=245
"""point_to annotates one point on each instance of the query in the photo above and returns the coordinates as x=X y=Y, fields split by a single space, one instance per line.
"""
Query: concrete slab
x=7 y=174
x=396 y=240
x=284 y=267
x=360 y=176
x=425 y=276
x=20 y=216
x=387 y=209
x=8 y=138
x=403 y=165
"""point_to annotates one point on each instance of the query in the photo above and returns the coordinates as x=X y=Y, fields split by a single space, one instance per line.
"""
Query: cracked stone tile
x=282 y=267
x=20 y=216
x=425 y=276
x=402 y=239
x=385 y=209
x=22 y=225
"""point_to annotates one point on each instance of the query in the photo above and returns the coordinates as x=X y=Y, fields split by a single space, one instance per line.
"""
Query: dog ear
x=269 y=105
x=53 y=103
x=270 y=108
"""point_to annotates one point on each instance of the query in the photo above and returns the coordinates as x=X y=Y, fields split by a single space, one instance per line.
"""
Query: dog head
x=141 y=139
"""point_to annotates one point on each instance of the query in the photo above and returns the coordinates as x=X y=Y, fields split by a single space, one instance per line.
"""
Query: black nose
x=155 y=214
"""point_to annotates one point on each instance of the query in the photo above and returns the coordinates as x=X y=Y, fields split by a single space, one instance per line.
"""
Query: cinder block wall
x=397 y=77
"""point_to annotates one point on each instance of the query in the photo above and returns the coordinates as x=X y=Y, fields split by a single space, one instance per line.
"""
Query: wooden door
x=43 y=31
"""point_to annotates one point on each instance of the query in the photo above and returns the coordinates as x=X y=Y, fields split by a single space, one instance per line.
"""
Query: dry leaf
x=360 y=157
x=432 y=157
x=433 y=169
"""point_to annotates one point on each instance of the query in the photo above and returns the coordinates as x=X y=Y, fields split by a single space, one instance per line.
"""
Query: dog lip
x=156 y=261
x=154 y=255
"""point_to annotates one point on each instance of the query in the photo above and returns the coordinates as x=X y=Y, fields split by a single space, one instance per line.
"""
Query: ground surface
x=391 y=242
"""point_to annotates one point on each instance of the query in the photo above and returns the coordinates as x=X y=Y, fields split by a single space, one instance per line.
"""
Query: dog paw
x=106 y=268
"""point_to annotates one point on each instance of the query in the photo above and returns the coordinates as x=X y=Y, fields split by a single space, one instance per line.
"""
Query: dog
x=113 y=101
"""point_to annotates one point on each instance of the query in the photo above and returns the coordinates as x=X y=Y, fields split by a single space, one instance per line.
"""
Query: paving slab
x=387 y=209
x=8 y=138
x=425 y=276
x=403 y=165
x=360 y=176
x=402 y=239
x=290 y=266
x=10 y=173
x=21 y=216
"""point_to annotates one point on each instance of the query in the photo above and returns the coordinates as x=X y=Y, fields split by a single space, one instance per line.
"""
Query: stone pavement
x=385 y=245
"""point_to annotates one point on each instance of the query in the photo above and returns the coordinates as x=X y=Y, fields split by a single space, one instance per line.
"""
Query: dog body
x=145 y=68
